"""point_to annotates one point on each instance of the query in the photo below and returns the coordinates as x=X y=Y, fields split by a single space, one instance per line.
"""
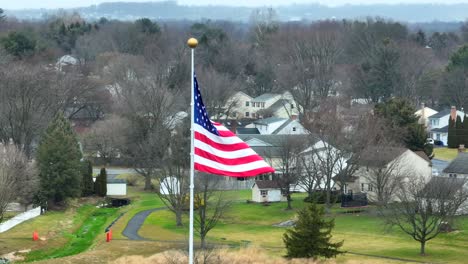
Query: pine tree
x=59 y=163
x=465 y=130
x=87 y=183
x=459 y=131
x=452 y=134
x=311 y=236
x=100 y=186
x=103 y=185
x=97 y=185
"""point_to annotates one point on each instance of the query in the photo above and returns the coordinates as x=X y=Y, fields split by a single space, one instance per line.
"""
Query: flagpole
x=192 y=43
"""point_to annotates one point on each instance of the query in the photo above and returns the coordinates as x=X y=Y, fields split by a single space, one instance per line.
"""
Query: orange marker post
x=35 y=236
x=108 y=237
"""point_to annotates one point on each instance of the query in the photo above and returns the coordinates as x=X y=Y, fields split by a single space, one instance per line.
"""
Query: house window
x=362 y=187
x=247 y=103
x=438 y=136
x=452 y=175
x=263 y=192
x=263 y=105
x=369 y=187
x=247 y=114
x=292 y=106
x=294 y=129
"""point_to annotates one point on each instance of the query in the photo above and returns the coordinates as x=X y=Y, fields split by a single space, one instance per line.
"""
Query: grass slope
x=93 y=223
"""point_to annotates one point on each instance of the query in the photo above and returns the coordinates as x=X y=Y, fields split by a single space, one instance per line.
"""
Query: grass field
x=78 y=233
x=363 y=233
x=446 y=154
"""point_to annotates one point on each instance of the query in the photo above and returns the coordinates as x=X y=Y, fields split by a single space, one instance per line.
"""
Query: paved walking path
x=131 y=230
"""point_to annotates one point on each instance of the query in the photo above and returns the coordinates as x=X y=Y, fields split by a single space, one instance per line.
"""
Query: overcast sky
x=20 y=4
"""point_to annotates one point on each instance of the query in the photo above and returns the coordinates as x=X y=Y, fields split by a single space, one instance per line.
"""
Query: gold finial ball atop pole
x=192 y=43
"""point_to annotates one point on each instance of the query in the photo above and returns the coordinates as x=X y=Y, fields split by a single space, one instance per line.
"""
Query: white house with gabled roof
x=438 y=123
x=239 y=106
x=278 y=126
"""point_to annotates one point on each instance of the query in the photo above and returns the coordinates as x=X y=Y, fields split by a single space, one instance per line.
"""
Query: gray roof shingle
x=268 y=184
x=269 y=120
x=264 y=97
x=441 y=114
x=458 y=165
x=247 y=131
x=440 y=130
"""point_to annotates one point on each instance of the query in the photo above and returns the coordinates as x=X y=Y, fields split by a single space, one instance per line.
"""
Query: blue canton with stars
x=201 y=117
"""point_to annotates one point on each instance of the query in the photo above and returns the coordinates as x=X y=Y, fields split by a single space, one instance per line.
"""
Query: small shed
x=267 y=191
x=116 y=187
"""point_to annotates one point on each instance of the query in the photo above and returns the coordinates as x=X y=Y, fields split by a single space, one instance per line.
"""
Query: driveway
x=439 y=165
x=134 y=225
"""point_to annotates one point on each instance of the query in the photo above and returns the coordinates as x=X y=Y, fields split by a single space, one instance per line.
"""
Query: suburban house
x=424 y=113
x=395 y=161
x=266 y=192
x=276 y=126
x=239 y=106
x=276 y=105
x=458 y=168
x=438 y=123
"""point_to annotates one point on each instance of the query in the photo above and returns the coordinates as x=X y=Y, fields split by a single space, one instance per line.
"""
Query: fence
x=20 y=219
x=234 y=184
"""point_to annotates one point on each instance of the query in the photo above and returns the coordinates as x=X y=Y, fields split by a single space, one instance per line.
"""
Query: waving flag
x=218 y=150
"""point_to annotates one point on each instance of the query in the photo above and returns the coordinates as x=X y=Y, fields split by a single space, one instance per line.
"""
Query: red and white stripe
x=226 y=154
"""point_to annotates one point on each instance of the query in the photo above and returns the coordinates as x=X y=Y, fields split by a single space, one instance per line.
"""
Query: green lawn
x=446 y=154
x=362 y=233
x=82 y=229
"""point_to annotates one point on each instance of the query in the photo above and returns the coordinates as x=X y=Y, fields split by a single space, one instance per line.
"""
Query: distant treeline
x=170 y=10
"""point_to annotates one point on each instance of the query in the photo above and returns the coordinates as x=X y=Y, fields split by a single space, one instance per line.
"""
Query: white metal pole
x=192 y=169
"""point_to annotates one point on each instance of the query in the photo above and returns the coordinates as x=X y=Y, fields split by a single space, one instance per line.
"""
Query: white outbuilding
x=116 y=187
x=169 y=185
x=266 y=192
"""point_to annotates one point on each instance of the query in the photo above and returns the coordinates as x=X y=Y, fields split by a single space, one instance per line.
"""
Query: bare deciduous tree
x=174 y=176
x=107 y=138
x=18 y=178
x=27 y=103
x=424 y=205
x=288 y=166
x=310 y=66
x=217 y=90
x=211 y=204
x=146 y=101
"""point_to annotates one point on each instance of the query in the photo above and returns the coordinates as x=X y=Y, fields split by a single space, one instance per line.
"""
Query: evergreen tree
x=87 y=183
x=465 y=131
x=59 y=163
x=452 y=134
x=100 y=186
x=311 y=236
x=459 y=131
x=103 y=174
x=97 y=185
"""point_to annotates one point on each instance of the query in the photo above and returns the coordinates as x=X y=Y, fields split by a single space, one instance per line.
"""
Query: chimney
x=453 y=113
x=293 y=117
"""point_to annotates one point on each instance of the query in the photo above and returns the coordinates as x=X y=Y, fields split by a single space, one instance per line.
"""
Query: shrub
x=320 y=196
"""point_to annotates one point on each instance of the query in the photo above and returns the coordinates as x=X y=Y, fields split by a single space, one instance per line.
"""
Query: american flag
x=218 y=150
